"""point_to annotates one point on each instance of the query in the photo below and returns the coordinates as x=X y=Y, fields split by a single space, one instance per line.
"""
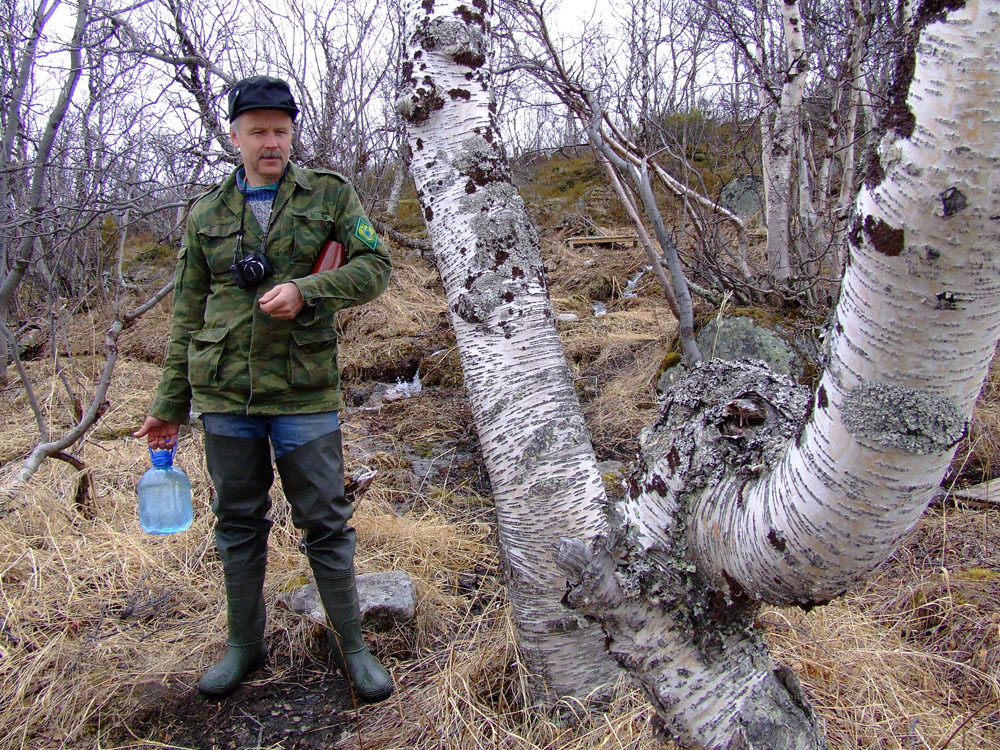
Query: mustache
x=270 y=154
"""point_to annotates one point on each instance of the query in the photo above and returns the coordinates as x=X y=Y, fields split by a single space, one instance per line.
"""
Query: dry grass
x=97 y=620
x=976 y=458
x=615 y=360
x=388 y=338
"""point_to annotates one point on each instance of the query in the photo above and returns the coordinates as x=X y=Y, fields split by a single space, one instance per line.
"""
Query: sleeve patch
x=366 y=232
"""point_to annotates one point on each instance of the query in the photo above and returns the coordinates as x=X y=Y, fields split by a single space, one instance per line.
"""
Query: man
x=254 y=349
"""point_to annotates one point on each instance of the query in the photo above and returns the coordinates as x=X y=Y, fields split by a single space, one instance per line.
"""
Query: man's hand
x=159 y=434
x=282 y=302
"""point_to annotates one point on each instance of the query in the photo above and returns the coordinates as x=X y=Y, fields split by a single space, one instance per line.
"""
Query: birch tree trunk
x=742 y=498
x=536 y=446
x=782 y=144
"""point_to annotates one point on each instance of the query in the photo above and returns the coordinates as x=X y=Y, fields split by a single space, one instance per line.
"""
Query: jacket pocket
x=204 y=354
x=312 y=361
x=311 y=228
x=218 y=243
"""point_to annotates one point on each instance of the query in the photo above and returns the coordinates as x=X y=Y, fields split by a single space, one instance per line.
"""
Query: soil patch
x=310 y=709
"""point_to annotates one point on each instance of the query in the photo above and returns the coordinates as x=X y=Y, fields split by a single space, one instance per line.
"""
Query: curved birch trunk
x=741 y=498
x=536 y=446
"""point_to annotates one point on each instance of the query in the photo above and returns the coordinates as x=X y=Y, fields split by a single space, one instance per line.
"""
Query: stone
x=386 y=599
x=744 y=196
x=568 y=318
x=740 y=338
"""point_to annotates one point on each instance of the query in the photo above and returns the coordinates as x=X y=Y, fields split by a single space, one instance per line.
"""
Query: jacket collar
x=230 y=195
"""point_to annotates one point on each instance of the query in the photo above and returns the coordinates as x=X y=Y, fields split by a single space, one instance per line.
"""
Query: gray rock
x=740 y=338
x=611 y=467
x=386 y=599
x=568 y=318
x=744 y=196
x=670 y=376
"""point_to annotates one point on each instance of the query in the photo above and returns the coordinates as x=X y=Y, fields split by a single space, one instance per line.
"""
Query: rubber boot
x=242 y=475
x=313 y=479
x=369 y=679
x=245 y=650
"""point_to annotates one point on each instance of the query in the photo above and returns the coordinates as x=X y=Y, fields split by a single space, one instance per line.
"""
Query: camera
x=250 y=270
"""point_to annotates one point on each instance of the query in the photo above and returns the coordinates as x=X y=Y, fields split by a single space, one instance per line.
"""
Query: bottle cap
x=163 y=459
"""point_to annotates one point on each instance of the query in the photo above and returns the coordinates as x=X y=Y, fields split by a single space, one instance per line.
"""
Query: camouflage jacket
x=225 y=354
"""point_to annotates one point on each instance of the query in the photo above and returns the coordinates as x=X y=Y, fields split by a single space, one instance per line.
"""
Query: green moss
x=983 y=575
x=153 y=253
x=294 y=583
x=670 y=360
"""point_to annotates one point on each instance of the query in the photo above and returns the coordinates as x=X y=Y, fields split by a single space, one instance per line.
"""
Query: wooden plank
x=987 y=493
x=622 y=239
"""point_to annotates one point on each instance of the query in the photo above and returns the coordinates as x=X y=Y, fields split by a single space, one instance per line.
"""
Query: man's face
x=264 y=138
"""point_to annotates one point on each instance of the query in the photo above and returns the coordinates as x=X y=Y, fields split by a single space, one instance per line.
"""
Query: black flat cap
x=261 y=92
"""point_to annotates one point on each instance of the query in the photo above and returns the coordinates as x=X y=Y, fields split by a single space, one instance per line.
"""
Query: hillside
x=105 y=630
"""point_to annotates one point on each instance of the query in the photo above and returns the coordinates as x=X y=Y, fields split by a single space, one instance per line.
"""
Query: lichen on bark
x=505 y=259
x=903 y=418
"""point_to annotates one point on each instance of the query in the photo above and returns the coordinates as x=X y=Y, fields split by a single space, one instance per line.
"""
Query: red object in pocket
x=331 y=255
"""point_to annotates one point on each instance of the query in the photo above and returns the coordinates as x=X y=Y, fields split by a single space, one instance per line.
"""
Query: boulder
x=386 y=599
x=744 y=196
x=741 y=338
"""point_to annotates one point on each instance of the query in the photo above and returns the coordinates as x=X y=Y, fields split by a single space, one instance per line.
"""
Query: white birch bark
x=536 y=446
x=781 y=148
x=741 y=498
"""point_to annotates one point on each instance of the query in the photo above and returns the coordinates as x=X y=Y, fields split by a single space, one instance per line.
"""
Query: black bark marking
x=470 y=17
x=428 y=213
x=946 y=301
x=420 y=144
x=469 y=58
x=470 y=187
x=854 y=233
x=884 y=238
x=874 y=173
x=821 y=400
x=425 y=102
x=460 y=94
x=657 y=485
x=898 y=117
x=428 y=5
x=953 y=200
x=936 y=10
x=776 y=539
x=673 y=459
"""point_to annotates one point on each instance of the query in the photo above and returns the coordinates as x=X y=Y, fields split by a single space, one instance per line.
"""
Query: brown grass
x=97 y=620
x=976 y=458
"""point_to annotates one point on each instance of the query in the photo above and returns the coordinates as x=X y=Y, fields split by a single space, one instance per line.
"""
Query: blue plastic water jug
x=164 y=496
